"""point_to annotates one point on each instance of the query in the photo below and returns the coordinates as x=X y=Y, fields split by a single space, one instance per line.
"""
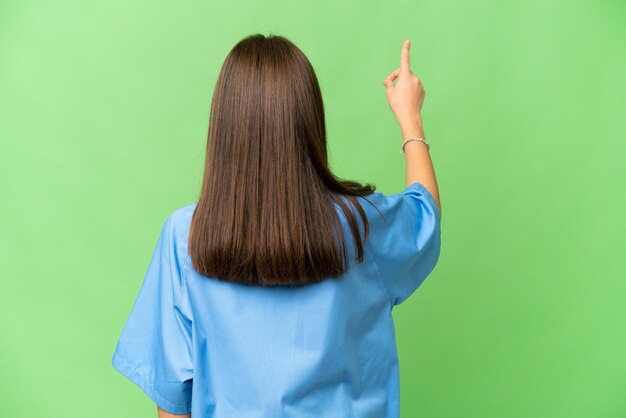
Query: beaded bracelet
x=414 y=139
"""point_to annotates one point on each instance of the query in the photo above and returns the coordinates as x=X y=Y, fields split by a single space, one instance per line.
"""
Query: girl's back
x=220 y=349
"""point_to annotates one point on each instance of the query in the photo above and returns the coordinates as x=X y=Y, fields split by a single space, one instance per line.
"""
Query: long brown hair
x=266 y=213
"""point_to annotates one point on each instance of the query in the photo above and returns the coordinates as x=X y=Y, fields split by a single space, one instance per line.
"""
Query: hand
x=407 y=95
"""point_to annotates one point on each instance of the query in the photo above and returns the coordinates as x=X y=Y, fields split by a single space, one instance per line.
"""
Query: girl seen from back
x=271 y=295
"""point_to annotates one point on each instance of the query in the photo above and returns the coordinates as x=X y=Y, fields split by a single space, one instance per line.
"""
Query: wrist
x=412 y=131
x=414 y=127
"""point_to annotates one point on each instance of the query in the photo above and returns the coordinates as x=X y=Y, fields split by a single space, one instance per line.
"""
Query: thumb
x=388 y=82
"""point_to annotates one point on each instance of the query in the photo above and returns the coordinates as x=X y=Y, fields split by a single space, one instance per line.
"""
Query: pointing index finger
x=404 y=58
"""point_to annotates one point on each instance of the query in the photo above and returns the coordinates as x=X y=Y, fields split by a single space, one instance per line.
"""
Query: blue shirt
x=224 y=350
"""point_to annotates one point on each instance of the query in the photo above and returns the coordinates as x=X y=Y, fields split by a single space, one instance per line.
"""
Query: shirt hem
x=138 y=377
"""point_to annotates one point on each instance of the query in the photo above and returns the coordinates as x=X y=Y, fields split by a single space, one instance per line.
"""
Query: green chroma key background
x=103 y=119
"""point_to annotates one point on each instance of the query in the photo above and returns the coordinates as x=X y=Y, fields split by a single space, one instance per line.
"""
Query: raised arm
x=405 y=100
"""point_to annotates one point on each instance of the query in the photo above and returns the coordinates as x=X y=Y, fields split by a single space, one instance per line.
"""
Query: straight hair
x=266 y=213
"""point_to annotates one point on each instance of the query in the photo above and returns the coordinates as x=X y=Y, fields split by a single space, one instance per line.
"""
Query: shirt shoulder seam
x=183 y=303
x=379 y=276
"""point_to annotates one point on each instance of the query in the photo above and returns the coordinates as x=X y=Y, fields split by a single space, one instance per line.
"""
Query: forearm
x=419 y=166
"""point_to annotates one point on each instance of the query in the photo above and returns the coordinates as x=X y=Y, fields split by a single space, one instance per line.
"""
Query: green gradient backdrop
x=103 y=118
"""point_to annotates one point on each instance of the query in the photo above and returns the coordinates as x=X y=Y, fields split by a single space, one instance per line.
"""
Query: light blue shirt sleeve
x=154 y=349
x=410 y=244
